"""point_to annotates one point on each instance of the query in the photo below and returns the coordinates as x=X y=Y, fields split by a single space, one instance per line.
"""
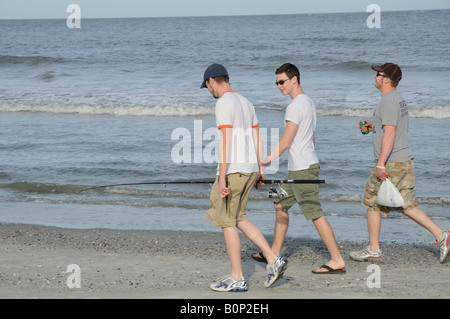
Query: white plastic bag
x=388 y=195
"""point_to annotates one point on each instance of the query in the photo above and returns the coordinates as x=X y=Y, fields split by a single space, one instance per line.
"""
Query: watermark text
x=74 y=279
x=374 y=280
x=202 y=146
x=74 y=19
x=374 y=20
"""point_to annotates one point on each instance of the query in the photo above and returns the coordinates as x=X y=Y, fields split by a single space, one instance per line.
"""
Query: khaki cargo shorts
x=306 y=195
x=226 y=212
x=402 y=175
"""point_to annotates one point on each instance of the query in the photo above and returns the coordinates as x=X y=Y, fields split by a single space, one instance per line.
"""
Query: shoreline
x=181 y=265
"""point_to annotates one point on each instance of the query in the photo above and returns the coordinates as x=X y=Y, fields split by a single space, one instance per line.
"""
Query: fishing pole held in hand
x=265 y=181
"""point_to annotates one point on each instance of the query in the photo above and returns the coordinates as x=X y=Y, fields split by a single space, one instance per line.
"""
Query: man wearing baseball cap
x=239 y=168
x=394 y=159
x=213 y=71
x=391 y=70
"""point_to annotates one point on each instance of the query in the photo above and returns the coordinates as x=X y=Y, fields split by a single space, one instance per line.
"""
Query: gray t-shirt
x=392 y=110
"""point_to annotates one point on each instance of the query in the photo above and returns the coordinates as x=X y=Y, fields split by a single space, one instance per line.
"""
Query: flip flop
x=259 y=257
x=330 y=271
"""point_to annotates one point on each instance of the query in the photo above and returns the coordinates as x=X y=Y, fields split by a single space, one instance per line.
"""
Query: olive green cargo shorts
x=306 y=195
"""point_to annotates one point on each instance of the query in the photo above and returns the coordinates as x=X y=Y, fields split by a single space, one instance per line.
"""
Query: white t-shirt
x=302 y=153
x=235 y=111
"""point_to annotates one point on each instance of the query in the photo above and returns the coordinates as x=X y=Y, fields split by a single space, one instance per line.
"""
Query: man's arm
x=284 y=143
x=224 y=154
x=387 y=144
x=259 y=145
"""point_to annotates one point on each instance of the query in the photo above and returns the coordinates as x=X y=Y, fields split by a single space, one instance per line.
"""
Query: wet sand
x=181 y=265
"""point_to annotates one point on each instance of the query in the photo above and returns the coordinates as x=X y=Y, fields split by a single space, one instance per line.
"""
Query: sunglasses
x=281 y=82
x=383 y=75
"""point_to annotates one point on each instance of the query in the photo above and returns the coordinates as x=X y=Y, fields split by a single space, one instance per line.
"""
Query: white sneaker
x=228 y=283
x=367 y=255
x=275 y=271
x=444 y=245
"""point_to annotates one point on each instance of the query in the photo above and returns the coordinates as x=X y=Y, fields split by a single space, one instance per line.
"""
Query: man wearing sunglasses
x=298 y=140
x=394 y=159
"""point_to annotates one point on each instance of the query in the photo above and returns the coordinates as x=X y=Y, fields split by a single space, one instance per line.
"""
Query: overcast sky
x=44 y=9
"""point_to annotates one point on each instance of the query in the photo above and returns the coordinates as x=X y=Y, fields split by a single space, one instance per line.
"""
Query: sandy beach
x=181 y=265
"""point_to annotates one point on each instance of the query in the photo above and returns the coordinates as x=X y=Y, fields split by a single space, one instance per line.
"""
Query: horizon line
x=230 y=15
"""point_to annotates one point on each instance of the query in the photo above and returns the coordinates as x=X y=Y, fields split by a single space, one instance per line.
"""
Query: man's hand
x=368 y=125
x=259 y=181
x=382 y=173
x=224 y=191
x=266 y=162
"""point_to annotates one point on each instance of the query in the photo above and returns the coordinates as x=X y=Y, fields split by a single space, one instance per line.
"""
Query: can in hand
x=362 y=126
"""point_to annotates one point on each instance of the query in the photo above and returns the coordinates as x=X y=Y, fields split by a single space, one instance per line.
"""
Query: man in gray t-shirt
x=392 y=111
x=394 y=159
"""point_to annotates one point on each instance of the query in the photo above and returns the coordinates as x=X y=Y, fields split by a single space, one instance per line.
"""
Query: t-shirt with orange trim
x=236 y=112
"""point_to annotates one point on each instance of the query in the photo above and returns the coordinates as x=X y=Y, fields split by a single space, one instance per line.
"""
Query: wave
x=430 y=112
x=435 y=112
x=133 y=191
x=352 y=65
x=4 y=175
x=46 y=76
x=33 y=60
x=348 y=112
x=330 y=64
x=53 y=188
x=43 y=188
x=152 y=111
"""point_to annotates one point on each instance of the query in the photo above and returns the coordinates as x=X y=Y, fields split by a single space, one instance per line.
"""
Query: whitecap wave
x=152 y=111
x=436 y=112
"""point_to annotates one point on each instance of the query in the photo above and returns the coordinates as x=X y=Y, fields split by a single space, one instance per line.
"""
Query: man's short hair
x=290 y=70
x=222 y=78
x=394 y=84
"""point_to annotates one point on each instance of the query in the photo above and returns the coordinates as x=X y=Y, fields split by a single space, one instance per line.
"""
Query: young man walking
x=298 y=139
x=394 y=159
x=238 y=170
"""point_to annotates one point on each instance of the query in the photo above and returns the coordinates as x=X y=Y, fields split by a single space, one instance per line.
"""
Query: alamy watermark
x=374 y=20
x=74 y=279
x=202 y=146
x=374 y=280
x=74 y=19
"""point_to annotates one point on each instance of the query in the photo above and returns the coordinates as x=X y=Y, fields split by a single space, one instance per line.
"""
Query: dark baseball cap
x=213 y=71
x=392 y=71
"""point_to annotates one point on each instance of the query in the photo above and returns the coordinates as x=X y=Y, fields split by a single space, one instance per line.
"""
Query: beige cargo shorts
x=226 y=212
x=402 y=175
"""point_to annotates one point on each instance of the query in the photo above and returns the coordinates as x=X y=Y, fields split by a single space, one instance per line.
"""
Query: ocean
x=118 y=101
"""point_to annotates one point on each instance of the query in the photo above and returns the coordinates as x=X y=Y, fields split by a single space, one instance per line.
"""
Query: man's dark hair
x=222 y=78
x=290 y=70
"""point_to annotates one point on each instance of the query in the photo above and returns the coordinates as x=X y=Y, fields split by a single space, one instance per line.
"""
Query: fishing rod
x=292 y=181
x=265 y=181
